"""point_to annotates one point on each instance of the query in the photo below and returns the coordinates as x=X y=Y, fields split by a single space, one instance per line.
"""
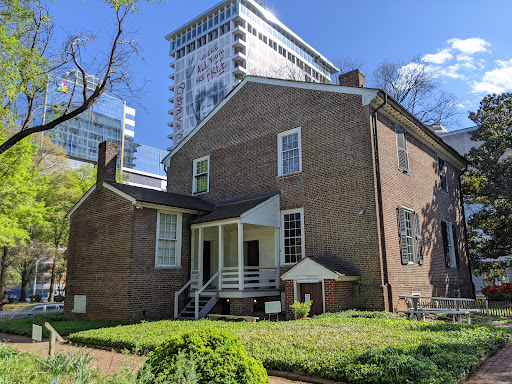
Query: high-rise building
x=108 y=119
x=218 y=48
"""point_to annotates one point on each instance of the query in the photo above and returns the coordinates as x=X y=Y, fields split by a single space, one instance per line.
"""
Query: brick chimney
x=353 y=78
x=107 y=161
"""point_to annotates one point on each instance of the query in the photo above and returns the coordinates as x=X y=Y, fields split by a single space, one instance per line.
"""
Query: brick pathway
x=107 y=362
x=496 y=370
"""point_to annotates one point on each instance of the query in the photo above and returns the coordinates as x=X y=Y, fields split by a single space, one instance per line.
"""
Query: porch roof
x=169 y=199
x=230 y=209
x=327 y=266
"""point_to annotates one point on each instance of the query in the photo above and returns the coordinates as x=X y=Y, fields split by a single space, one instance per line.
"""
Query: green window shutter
x=455 y=246
x=419 y=246
x=402 y=227
x=401 y=143
x=444 y=230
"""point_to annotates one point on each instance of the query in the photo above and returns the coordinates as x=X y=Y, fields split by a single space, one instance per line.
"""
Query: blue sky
x=465 y=43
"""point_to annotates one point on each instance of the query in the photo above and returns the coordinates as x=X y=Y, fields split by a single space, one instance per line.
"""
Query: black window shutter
x=455 y=246
x=403 y=236
x=445 y=243
x=419 y=245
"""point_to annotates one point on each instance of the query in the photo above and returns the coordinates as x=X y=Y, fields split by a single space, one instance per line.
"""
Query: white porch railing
x=193 y=279
x=210 y=303
x=254 y=278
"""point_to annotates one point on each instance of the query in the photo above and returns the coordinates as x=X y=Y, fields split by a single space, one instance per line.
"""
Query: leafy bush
x=7 y=352
x=37 y=298
x=360 y=346
x=301 y=310
x=498 y=292
x=221 y=358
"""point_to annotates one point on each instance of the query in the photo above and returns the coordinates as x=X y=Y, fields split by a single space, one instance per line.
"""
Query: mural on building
x=201 y=83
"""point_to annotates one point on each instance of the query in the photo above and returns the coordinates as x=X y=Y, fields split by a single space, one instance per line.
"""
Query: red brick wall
x=289 y=298
x=337 y=178
x=420 y=191
x=99 y=253
x=241 y=306
x=152 y=289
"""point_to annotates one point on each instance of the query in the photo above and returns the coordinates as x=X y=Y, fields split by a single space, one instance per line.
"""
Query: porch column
x=200 y=257
x=241 y=256
x=221 y=254
x=278 y=256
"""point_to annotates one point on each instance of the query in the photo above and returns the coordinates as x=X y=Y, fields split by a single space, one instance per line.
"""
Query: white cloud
x=438 y=58
x=496 y=81
x=465 y=58
x=470 y=46
x=450 y=71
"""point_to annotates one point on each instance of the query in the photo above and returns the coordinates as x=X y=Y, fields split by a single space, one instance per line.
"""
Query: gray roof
x=169 y=199
x=335 y=264
x=229 y=209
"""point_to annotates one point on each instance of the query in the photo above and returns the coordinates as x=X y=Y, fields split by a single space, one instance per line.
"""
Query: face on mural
x=206 y=106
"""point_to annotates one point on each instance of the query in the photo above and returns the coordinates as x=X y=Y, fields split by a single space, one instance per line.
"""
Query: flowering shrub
x=498 y=292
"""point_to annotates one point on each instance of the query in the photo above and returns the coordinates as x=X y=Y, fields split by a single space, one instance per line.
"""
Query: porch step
x=188 y=313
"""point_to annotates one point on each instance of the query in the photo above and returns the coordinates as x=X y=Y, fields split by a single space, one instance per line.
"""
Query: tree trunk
x=3 y=272
x=51 y=295
x=25 y=274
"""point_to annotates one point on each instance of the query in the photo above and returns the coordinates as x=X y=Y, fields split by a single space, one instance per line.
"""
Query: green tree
x=28 y=61
x=487 y=185
x=19 y=209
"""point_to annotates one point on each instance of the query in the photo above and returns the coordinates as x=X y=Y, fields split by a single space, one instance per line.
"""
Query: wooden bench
x=420 y=313
x=250 y=319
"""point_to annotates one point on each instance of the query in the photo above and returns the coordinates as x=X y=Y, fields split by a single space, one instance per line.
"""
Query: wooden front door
x=253 y=253
x=313 y=291
x=206 y=261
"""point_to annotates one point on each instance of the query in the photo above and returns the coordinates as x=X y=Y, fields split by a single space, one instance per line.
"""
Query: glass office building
x=108 y=119
x=215 y=50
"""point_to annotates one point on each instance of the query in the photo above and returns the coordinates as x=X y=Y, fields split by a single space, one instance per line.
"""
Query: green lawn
x=23 y=326
x=351 y=346
x=23 y=306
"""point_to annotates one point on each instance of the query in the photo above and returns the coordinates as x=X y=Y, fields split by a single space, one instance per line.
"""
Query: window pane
x=201 y=183
x=292 y=237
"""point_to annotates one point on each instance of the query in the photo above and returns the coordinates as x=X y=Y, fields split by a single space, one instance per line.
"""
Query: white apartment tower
x=214 y=51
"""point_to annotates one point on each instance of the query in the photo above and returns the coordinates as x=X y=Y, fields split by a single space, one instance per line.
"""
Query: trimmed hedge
x=220 y=357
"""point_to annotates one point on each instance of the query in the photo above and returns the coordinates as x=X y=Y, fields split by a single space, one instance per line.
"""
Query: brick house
x=286 y=190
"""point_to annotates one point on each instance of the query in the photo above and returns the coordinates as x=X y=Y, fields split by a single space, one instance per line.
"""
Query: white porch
x=234 y=257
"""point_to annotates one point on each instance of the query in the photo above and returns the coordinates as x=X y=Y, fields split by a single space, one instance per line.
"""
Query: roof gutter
x=397 y=106
x=385 y=274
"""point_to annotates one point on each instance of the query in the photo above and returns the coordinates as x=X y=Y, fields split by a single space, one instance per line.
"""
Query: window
x=289 y=152
x=201 y=175
x=443 y=179
x=292 y=235
x=401 y=144
x=451 y=251
x=168 y=248
x=410 y=236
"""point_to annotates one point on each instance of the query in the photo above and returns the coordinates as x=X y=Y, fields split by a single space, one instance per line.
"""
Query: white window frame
x=451 y=245
x=416 y=237
x=194 y=177
x=280 y=137
x=303 y=248
x=177 y=248
x=441 y=175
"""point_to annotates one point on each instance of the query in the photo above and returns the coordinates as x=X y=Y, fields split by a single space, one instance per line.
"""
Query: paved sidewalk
x=107 y=362
x=496 y=370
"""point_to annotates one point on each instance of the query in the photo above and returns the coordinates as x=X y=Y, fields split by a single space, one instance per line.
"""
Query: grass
x=25 y=368
x=351 y=346
x=14 y=307
x=23 y=326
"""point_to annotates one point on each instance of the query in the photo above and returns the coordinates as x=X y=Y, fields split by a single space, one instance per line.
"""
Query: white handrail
x=177 y=294
x=199 y=291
